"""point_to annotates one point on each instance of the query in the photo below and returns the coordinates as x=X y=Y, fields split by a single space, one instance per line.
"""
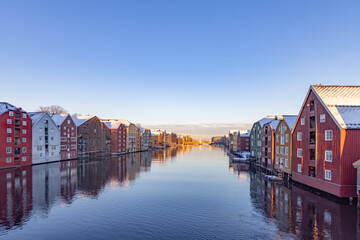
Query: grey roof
x=342 y=103
x=58 y=118
x=36 y=116
x=4 y=107
x=290 y=120
x=79 y=120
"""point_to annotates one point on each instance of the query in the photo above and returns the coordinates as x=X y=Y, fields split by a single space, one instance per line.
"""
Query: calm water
x=183 y=193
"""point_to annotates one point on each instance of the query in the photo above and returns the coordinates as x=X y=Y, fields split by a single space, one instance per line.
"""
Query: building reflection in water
x=299 y=212
x=34 y=190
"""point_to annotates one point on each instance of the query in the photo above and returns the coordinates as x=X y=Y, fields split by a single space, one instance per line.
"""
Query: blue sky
x=175 y=62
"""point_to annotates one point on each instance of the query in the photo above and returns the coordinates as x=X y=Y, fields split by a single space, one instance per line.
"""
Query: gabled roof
x=246 y=134
x=58 y=118
x=112 y=123
x=265 y=120
x=341 y=102
x=4 y=107
x=274 y=123
x=36 y=116
x=290 y=120
x=79 y=120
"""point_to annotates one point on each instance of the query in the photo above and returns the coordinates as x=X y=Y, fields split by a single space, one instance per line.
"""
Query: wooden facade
x=283 y=145
x=268 y=145
x=324 y=148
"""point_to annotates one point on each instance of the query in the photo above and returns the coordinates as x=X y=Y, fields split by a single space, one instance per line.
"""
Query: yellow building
x=283 y=144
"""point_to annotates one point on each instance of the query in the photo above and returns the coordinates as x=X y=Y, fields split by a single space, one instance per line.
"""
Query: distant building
x=145 y=139
x=45 y=138
x=255 y=138
x=118 y=135
x=130 y=135
x=68 y=135
x=15 y=136
x=93 y=135
x=138 y=139
x=244 y=141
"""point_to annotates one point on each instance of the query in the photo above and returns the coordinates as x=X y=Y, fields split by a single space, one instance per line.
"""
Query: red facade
x=311 y=165
x=15 y=138
x=244 y=144
x=267 y=146
x=118 y=139
x=68 y=139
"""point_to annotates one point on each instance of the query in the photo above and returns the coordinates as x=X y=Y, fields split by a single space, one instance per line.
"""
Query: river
x=178 y=193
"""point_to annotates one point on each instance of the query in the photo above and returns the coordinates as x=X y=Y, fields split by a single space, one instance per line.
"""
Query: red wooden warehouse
x=326 y=139
x=268 y=144
x=15 y=136
x=68 y=135
x=118 y=135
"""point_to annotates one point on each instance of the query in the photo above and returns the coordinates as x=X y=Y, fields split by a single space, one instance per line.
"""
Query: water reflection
x=299 y=213
x=34 y=190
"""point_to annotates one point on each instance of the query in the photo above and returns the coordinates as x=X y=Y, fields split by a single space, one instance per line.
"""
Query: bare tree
x=51 y=109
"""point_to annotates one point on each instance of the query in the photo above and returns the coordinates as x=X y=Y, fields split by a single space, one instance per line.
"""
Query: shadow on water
x=33 y=190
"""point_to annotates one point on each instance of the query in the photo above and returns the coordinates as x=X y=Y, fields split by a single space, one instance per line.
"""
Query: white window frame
x=286 y=151
x=11 y=113
x=302 y=121
x=23 y=158
x=8 y=139
x=322 y=118
x=328 y=135
x=9 y=121
x=24 y=131
x=287 y=138
x=299 y=168
x=328 y=156
x=8 y=130
x=299 y=136
x=8 y=150
x=277 y=149
x=24 y=115
x=8 y=160
x=24 y=123
x=286 y=162
x=299 y=152
x=327 y=174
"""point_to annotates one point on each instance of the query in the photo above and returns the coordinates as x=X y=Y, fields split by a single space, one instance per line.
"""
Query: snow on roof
x=246 y=134
x=36 y=116
x=155 y=134
x=4 y=107
x=290 y=120
x=79 y=120
x=274 y=123
x=265 y=120
x=112 y=123
x=342 y=102
x=58 y=118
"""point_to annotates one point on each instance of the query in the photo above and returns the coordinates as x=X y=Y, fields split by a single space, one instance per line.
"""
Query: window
x=68 y=121
x=282 y=139
x=328 y=135
x=302 y=121
x=299 y=152
x=73 y=146
x=24 y=149
x=286 y=162
x=24 y=115
x=312 y=137
x=40 y=138
x=299 y=136
x=282 y=150
x=40 y=129
x=24 y=123
x=299 y=168
x=73 y=139
x=328 y=156
x=63 y=139
x=24 y=131
x=11 y=113
x=277 y=149
x=52 y=138
x=287 y=138
x=8 y=150
x=8 y=160
x=286 y=151
x=9 y=121
x=8 y=130
x=277 y=160
x=23 y=140
x=312 y=154
x=64 y=127
x=23 y=158
x=8 y=139
x=327 y=174
x=63 y=147
x=322 y=118
x=312 y=122
x=95 y=130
